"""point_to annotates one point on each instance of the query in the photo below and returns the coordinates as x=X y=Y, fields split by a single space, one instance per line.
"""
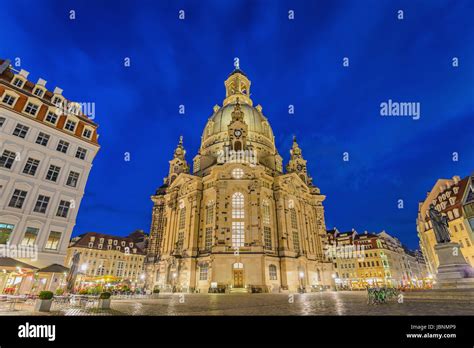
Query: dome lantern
x=237 y=85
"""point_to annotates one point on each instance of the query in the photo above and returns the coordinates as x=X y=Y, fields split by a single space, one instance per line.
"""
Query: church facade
x=238 y=221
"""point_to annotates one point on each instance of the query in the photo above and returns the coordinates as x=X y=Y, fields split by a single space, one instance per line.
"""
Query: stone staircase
x=238 y=291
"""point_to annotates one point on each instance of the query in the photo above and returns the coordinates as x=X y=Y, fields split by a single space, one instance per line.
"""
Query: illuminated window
x=30 y=236
x=53 y=241
x=238 y=206
x=238 y=234
x=237 y=173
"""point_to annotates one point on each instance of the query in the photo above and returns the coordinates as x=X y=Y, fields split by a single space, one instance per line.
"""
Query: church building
x=238 y=222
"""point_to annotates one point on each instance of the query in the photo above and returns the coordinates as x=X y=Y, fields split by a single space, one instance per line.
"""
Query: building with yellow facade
x=453 y=198
x=109 y=259
x=369 y=259
x=238 y=221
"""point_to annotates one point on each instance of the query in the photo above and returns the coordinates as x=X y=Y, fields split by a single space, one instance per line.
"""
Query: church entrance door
x=238 y=278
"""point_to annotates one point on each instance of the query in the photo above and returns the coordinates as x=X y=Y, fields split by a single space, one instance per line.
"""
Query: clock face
x=237 y=133
x=299 y=167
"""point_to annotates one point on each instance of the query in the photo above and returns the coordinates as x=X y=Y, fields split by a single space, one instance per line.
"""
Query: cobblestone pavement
x=326 y=303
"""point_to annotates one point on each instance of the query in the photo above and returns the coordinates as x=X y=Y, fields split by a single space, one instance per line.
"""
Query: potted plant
x=104 y=300
x=44 y=301
x=156 y=292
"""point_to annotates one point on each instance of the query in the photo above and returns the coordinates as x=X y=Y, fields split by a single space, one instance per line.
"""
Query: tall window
x=53 y=173
x=238 y=206
x=208 y=239
x=63 y=208
x=21 y=130
x=42 y=139
x=294 y=221
x=41 y=204
x=267 y=236
x=18 y=198
x=238 y=215
x=272 y=270
x=210 y=213
x=81 y=153
x=182 y=218
x=7 y=159
x=31 y=166
x=72 y=179
x=296 y=241
x=203 y=272
x=180 y=240
x=294 y=226
x=266 y=213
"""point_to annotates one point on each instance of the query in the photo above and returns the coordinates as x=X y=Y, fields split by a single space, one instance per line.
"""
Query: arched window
x=238 y=265
x=238 y=215
x=238 y=206
x=272 y=272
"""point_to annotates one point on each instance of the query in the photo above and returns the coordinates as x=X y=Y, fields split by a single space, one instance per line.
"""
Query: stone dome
x=256 y=122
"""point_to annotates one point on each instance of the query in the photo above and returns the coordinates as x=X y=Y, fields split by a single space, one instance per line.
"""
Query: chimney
x=24 y=73
x=58 y=90
x=456 y=179
x=41 y=82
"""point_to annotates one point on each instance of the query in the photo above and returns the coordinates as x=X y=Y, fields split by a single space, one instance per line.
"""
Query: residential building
x=453 y=198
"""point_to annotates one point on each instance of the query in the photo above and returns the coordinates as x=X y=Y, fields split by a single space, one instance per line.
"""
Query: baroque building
x=238 y=222
x=107 y=259
x=374 y=259
x=453 y=198
x=47 y=146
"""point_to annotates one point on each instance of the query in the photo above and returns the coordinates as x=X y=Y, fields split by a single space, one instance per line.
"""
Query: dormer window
x=38 y=92
x=92 y=238
x=57 y=101
x=123 y=243
x=31 y=109
x=70 y=125
x=51 y=117
x=87 y=133
x=18 y=82
x=9 y=100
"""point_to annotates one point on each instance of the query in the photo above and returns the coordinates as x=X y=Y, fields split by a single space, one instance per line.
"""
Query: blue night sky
x=297 y=62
